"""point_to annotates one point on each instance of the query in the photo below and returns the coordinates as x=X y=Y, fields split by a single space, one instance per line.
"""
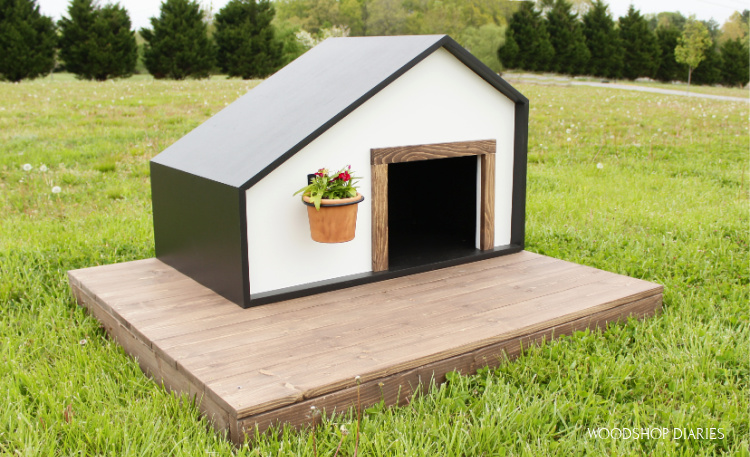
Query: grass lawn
x=647 y=185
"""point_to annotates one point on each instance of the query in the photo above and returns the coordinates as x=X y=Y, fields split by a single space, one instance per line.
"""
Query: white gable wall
x=439 y=100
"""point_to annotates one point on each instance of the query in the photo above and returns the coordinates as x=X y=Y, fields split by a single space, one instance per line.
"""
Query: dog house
x=438 y=139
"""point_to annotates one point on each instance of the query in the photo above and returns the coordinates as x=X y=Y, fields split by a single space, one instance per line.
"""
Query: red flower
x=345 y=176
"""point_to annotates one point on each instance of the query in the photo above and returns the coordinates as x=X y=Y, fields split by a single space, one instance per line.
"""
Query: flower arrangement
x=330 y=185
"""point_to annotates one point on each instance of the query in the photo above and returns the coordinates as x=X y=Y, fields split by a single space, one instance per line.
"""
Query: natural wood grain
x=487 y=203
x=379 y=217
x=161 y=370
x=381 y=157
x=397 y=389
x=371 y=360
x=400 y=154
x=364 y=324
x=370 y=312
x=271 y=363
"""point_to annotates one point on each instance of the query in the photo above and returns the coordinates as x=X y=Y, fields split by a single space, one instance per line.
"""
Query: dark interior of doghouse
x=432 y=207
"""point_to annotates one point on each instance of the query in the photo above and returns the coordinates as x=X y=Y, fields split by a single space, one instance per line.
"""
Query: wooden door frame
x=380 y=158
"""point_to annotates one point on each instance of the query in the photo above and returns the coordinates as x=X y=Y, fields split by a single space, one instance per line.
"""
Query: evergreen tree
x=669 y=69
x=709 y=70
x=245 y=41
x=507 y=54
x=734 y=62
x=566 y=36
x=527 y=45
x=177 y=46
x=97 y=42
x=641 y=57
x=116 y=50
x=603 y=41
x=27 y=40
x=75 y=33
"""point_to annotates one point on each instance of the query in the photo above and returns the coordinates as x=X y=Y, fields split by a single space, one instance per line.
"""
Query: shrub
x=177 y=46
x=27 y=40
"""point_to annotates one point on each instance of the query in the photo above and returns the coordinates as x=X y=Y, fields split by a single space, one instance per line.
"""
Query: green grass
x=669 y=204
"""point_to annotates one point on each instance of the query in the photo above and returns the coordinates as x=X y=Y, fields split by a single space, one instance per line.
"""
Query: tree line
x=97 y=42
x=254 y=38
x=667 y=47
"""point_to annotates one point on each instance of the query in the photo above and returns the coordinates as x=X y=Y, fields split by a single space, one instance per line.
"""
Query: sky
x=720 y=10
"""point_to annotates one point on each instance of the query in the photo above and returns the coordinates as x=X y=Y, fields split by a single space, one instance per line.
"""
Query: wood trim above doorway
x=384 y=156
x=381 y=157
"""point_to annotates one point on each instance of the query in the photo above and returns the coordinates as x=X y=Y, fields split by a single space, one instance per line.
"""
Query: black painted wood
x=198 y=230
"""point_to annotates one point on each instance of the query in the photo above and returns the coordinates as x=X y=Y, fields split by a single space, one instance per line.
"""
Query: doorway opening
x=432 y=211
x=427 y=201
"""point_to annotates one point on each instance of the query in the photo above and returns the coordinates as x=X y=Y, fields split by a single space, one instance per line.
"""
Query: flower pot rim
x=330 y=202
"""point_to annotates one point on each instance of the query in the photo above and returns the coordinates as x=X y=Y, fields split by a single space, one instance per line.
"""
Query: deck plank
x=398 y=389
x=375 y=323
x=262 y=365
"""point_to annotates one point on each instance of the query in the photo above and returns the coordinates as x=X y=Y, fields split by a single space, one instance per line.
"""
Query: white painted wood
x=439 y=100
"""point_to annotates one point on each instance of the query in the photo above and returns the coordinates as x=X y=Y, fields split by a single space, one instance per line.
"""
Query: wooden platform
x=271 y=363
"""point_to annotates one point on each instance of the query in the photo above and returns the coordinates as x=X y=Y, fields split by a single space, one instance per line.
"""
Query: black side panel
x=198 y=230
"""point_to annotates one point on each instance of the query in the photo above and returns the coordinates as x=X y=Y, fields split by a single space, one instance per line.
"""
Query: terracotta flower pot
x=336 y=221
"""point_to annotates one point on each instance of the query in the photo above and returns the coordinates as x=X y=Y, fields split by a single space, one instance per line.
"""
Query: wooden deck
x=271 y=363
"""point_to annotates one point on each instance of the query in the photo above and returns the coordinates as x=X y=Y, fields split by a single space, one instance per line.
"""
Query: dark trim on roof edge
x=482 y=70
x=451 y=46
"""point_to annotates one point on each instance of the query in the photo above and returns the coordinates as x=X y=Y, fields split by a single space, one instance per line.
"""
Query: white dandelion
x=56 y=190
x=568 y=138
x=600 y=165
x=43 y=168
x=27 y=167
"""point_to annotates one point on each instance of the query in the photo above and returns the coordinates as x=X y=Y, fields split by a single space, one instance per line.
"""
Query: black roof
x=263 y=128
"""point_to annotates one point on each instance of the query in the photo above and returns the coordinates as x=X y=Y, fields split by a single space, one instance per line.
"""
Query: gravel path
x=657 y=90
x=563 y=81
